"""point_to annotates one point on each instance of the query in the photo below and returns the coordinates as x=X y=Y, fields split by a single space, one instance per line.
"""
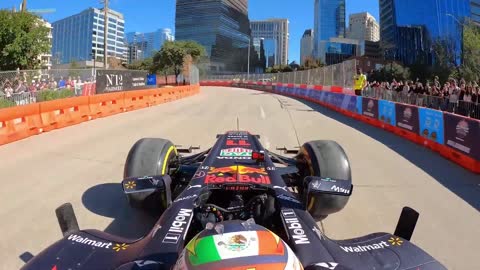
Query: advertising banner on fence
x=370 y=107
x=120 y=80
x=386 y=112
x=152 y=79
x=349 y=103
x=359 y=105
x=407 y=117
x=431 y=124
x=463 y=135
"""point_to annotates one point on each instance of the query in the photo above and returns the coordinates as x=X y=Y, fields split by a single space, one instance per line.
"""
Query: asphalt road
x=83 y=165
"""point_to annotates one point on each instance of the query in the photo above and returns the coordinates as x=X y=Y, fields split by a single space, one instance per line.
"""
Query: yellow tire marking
x=166 y=158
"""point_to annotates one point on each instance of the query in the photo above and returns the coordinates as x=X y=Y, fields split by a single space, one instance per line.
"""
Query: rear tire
x=149 y=157
x=325 y=159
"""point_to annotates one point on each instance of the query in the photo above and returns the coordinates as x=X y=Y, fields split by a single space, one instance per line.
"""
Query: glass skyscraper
x=329 y=21
x=421 y=22
x=151 y=42
x=221 y=26
x=475 y=10
x=81 y=36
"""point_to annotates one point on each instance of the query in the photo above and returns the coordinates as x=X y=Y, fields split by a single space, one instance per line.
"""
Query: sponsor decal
x=288 y=198
x=130 y=185
x=199 y=174
x=364 y=248
x=178 y=227
x=432 y=124
x=238 y=143
x=232 y=170
x=214 y=179
x=395 y=241
x=328 y=265
x=386 y=111
x=294 y=227
x=340 y=190
x=185 y=198
x=154 y=181
x=236 y=152
x=236 y=158
x=316 y=185
x=237 y=188
x=119 y=247
x=370 y=107
x=462 y=129
x=95 y=243
x=407 y=117
x=462 y=135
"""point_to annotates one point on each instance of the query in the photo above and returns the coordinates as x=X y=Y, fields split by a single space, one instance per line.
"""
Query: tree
x=114 y=63
x=23 y=38
x=311 y=63
x=145 y=64
x=470 y=69
x=173 y=54
x=74 y=71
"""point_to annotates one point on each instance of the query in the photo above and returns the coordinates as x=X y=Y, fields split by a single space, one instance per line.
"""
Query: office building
x=337 y=50
x=275 y=30
x=306 y=46
x=413 y=24
x=46 y=58
x=135 y=52
x=329 y=22
x=221 y=26
x=475 y=11
x=151 y=42
x=81 y=36
x=372 y=50
x=363 y=26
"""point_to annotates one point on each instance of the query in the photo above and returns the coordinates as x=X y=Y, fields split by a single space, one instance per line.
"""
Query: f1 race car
x=235 y=206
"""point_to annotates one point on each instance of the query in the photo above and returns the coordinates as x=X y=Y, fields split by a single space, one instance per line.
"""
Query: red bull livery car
x=235 y=206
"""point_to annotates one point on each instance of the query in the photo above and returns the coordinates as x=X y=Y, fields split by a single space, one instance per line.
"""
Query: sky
x=149 y=15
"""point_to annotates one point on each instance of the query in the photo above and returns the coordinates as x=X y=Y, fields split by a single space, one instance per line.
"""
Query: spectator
x=21 y=88
x=62 y=83
x=454 y=93
x=360 y=82
x=7 y=88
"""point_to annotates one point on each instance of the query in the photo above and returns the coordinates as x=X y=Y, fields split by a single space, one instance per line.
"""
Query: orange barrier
x=20 y=122
x=64 y=112
x=104 y=105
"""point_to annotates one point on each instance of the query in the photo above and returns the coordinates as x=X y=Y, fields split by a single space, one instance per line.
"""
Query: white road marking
x=262 y=113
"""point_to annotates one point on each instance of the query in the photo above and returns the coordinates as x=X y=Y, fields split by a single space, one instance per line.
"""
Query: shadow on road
x=460 y=181
x=108 y=200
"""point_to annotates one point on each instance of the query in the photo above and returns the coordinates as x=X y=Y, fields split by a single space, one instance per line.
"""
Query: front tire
x=325 y=159
x=149 y=157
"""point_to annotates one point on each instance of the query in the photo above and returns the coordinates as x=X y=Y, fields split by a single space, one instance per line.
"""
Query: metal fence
x=22 y=87
x=340 y=75
x=465 y=108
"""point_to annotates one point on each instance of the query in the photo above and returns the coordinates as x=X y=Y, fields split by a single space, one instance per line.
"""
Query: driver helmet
x=237 y=245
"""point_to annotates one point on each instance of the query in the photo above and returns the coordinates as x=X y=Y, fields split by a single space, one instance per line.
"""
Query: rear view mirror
x=326 y=196
x=149 y=192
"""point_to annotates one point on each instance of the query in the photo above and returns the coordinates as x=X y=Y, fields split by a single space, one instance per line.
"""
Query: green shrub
x=48 y=95
x=5 y=103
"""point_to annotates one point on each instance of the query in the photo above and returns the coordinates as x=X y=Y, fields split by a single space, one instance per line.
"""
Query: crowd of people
x=453 y=90
x=9 y=88
x=455 y=96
